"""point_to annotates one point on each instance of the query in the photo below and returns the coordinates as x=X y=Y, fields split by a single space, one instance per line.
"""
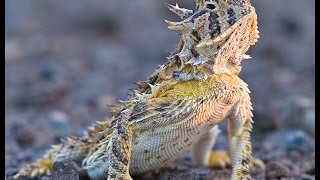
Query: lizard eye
x=212 y=6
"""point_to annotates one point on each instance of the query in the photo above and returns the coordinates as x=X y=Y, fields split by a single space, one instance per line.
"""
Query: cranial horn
x=200 y=2
x=205 y=43
x=181 y=12
x=177 y=26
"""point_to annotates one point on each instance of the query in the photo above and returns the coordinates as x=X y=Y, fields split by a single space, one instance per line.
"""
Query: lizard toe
x=219 y=159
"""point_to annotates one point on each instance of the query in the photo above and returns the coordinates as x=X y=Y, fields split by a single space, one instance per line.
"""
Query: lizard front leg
x=202 y=148
x=112 y=157
x=120 y=151
x=239 y=127
x=204 y=155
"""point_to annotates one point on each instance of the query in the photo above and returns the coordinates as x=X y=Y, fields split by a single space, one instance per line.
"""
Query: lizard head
x=216 y=34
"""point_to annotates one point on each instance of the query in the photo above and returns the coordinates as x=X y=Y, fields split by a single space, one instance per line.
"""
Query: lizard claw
x=220 y=159
x=256 y=164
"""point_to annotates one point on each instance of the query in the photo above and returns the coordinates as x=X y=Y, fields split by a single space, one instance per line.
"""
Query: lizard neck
x=201 y=63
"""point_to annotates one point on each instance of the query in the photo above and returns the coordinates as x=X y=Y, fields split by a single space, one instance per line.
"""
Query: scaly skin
x=179 y=106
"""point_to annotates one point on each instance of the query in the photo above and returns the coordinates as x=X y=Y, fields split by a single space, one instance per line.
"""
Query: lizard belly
x=158 y=147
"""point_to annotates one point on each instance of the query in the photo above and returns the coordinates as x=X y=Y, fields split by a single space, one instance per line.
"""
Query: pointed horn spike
x=152 y=87
x=115 y=109
x=170 y=23
x=175 y=25
x=170 y=6
x=191 y=61
x=142 y=84
x=201 y=44
x=205 y=43
x=199 y=2
x=246 y=56
x=181 y=12
x=210 y=43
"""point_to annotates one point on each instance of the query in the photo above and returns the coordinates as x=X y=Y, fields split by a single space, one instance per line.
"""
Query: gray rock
x=59 y=120
x=11 y=171
x=13 y=50
x=291 y=139
x=64 y=171
x=299 y=112
x=309 y=166
x=306 y=177
x=24 y=135
x=276 y=170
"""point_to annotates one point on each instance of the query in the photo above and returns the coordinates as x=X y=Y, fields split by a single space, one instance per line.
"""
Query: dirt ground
x=65 y=60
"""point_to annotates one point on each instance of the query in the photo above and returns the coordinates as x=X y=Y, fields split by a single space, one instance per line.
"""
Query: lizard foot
x=256 y=164
x=220 y=159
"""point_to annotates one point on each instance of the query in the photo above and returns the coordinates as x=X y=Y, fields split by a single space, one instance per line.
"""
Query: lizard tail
x=71 y=149
x=42 y=166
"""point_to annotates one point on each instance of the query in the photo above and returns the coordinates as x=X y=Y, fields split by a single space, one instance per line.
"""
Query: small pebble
x=23 y=135
x=309 y=166
x=64 y=171
x=276 y=170
x=59 y=120
x=292 y=139
x=306 y=177
x=299 y=112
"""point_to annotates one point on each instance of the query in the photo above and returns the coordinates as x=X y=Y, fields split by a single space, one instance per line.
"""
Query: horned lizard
x=177 y=108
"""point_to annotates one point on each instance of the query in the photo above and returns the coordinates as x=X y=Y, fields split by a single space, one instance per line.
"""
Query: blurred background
x=65 y=60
